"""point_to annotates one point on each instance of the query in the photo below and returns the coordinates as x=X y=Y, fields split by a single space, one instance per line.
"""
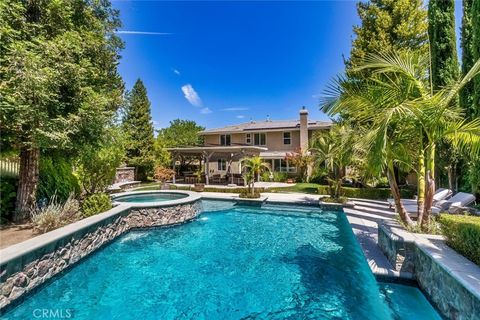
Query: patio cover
x=207 y=152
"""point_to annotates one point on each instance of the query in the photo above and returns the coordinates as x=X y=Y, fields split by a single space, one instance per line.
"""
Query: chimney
x=303 y=130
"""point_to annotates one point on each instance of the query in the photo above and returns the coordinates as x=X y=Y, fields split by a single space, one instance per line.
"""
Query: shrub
x=246 y=194
x=265 y=176
x=163 y=174
x=95 y=204
x=280 y=176
x=463 y=234
x=56 y=178
x=341 y=200
x=55 y=214
x=367 y=193
x=8 y=193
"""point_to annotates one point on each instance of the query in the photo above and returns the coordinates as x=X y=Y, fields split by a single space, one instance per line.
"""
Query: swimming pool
x=232 y=262
x=142 y=197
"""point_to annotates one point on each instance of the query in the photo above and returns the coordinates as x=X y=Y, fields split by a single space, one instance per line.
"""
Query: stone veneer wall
x=448 y=294
x=452 y=299
x=125 y=174
x=21 y=275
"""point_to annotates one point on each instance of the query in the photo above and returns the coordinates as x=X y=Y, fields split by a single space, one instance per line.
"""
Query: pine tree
x=475 y=11
x=388 y=25
x=137 y=125
x=443 y=50
x=466 y=95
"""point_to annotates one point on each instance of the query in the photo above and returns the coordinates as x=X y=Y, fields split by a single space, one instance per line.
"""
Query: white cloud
x=143 y=33
x=176 y=71
x=192 y=96
x=240 y=116
x=205 y=110
x=316 y=96
x=235 y=109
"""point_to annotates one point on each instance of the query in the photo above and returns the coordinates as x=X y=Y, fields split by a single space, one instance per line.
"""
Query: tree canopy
x=387 y=26
x=138 y=128
x=180 y=133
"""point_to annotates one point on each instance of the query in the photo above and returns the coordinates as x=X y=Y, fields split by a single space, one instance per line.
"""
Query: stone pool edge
x=27 y=265
x=450 y=281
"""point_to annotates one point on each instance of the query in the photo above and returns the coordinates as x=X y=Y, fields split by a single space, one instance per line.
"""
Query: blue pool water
x=276 y=262
x=150 y=197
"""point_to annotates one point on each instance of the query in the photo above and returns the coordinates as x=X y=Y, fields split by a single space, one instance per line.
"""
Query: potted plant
x=163 y=175
x=199 y=186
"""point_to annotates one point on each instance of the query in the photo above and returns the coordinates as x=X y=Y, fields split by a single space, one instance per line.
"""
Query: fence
x=9 y=168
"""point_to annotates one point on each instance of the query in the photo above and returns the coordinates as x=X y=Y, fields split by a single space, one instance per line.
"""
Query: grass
x=147 y=186
x=310 y=188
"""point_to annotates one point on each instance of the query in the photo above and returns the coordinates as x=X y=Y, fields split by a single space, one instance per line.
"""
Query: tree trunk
x=27 y=185
x=429 y=185
x=421 y=181
x=396 y=195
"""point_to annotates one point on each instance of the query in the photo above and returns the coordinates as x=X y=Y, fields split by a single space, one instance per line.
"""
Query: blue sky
x=220 y=63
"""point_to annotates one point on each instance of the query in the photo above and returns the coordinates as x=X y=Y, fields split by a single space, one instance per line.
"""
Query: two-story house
x=270 y=139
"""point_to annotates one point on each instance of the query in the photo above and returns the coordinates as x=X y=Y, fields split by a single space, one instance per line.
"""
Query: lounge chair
x=440 y=194
x=452 y=205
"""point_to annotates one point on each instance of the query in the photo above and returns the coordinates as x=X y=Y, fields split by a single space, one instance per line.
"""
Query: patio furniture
x=238 y=179
x=440 y=194
x=452 y=205
x=217 y=179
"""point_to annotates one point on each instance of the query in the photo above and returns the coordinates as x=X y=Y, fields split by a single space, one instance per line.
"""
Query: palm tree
x=333 y=150
x=404 y=119
x=254 y=167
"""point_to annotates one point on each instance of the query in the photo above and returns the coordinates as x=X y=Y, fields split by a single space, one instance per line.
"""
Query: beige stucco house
x=270 y=139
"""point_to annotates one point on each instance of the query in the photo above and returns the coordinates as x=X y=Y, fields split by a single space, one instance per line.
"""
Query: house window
x=248 y=138
x=221 y=164
x=225 y=140
x=259 y=139
x=282 y=165
x=287 y=138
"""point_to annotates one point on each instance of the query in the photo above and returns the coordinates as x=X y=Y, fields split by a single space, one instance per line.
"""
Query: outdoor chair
x=452 y=205
x=440 y=194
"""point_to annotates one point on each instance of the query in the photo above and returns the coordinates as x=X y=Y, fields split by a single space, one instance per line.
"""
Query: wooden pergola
x=206 y=153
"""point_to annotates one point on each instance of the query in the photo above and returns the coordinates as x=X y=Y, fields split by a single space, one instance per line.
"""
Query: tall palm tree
x=254 y=167
x=405 y=119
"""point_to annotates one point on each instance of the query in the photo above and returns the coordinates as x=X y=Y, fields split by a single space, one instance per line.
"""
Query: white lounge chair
x=452 y=205
x=440 y=194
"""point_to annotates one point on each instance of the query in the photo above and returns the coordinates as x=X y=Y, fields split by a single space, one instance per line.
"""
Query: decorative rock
x=7 y=288
x=20 y=280
x=43 y=267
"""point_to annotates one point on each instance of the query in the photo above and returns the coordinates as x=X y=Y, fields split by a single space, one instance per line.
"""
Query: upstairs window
x=287 y=138
x=248 y=138
x=225 y=140
x=259 y=139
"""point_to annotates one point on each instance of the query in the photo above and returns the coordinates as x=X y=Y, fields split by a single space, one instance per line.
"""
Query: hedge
x=367 y=193
x=463 y=234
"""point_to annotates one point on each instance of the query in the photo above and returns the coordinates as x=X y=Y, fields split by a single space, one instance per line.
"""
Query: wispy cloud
x=205 y=110
x=235 y=109
x=316 y=96
x=191 y=95
x=148 y=33
x=176 y=71
x=240 y=116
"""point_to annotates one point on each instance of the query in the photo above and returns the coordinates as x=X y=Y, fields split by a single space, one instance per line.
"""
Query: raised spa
x=150 y=197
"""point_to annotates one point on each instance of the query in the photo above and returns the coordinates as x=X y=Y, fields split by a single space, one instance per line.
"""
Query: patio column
x=174 y=169
x=206 y=156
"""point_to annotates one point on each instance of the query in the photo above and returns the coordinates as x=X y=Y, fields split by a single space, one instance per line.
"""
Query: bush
x=341 y=200
x=246 y=194
x=367 y=193
x=56 y=178
x=280 y=176
x=463 y=234
x=265 y=176
x=8 y=193
x=95 y=204
x=55 y=214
